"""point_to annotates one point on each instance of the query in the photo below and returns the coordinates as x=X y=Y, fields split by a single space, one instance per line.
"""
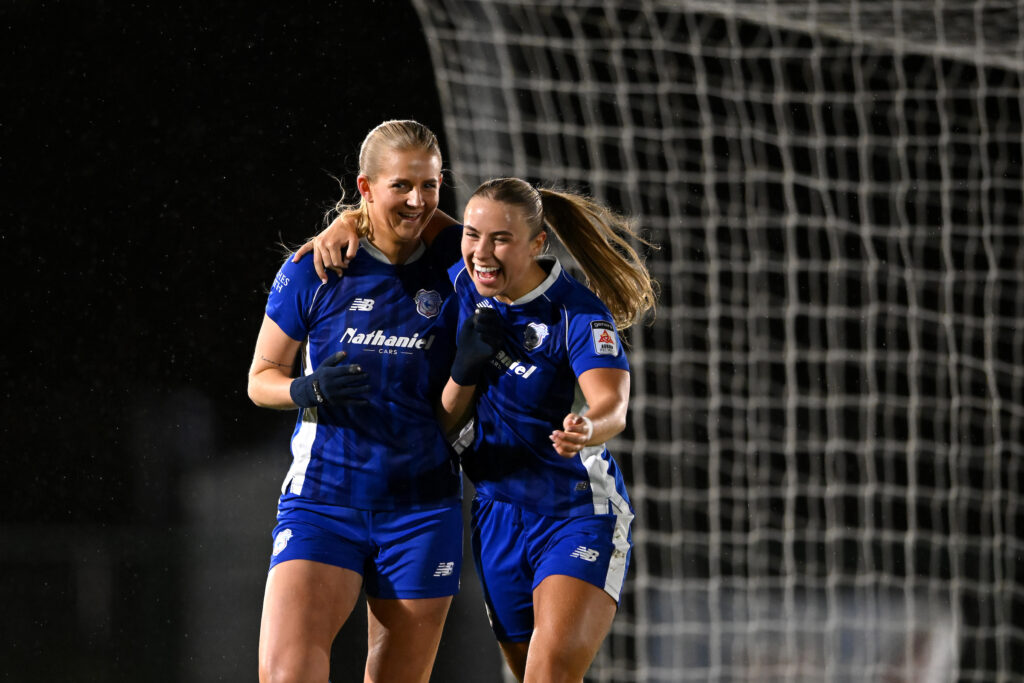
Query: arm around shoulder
x=437 y=223
x=334 y=247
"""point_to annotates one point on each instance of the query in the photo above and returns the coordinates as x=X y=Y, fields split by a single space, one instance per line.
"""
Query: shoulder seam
x=316 y=295
x=458 y=277
x=565 y=316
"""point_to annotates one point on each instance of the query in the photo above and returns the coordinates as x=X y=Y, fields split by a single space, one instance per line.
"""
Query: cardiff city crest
x=534 y=335
x=428 y=303
x=281 y=542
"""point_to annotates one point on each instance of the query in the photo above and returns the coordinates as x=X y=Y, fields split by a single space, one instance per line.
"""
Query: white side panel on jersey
x=302 y=442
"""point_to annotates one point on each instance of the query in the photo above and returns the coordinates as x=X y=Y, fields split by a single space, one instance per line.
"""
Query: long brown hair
x=594 y=235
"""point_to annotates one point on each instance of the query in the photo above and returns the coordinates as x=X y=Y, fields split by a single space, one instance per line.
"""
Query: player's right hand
x=334 y=247
x=572 y=438
x=331 y=383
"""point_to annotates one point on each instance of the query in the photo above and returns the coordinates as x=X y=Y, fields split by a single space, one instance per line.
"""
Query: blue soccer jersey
x=397 y=322
x=553 y=334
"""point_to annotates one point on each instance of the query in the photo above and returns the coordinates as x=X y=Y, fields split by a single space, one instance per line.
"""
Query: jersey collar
x=556 y=270
x=379 y=255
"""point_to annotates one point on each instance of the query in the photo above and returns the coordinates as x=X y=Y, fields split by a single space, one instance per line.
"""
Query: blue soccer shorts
x=515 y=550
x=400 y=554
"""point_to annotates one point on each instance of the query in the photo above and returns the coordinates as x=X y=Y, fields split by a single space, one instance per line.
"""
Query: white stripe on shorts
x=608 y=500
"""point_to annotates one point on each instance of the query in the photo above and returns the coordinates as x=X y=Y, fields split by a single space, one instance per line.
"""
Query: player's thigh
x=566 y=605
x=571 y=619
x=578 y=580
x=304 y=606
x=409 y=589
x=403 y=636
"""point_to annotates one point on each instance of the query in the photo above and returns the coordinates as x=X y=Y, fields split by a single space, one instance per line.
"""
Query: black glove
x=479 y=339
x=331 y=383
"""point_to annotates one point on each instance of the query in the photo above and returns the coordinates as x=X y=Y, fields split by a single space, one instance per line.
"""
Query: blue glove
x=331 y=383
x=479 y=339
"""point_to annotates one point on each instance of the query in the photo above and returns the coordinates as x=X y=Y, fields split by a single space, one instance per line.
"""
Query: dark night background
x=154 y=156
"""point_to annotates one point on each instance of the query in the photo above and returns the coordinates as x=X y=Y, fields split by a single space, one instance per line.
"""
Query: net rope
x=827 y=423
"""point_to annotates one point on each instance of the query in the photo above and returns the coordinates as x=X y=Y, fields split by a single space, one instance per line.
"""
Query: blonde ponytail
x=595 y=236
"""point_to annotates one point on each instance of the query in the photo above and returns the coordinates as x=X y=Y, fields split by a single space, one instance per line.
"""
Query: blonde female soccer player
x=372 y=498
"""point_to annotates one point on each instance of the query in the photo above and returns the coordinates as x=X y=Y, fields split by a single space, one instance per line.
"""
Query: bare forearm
x=273 y=363
x=607 y=421
x=270 y=388
x=456 y=406
x=606 y=391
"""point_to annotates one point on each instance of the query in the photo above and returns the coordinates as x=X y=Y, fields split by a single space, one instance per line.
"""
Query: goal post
x=826 y=431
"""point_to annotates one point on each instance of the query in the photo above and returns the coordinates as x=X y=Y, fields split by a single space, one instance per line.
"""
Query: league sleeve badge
x=606 y=342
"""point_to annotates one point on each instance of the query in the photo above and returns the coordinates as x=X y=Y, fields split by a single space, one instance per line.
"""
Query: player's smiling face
x=498 y=251
x=402 y=197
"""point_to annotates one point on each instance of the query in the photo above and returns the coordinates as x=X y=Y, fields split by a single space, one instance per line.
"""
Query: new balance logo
x=361 y=305
x=585 y=554
x=444 y=569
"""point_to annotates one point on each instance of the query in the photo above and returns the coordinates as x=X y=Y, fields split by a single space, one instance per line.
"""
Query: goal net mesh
x=826 y=431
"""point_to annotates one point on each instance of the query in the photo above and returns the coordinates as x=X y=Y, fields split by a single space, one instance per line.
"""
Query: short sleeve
x=291 y=296
x=593 y=342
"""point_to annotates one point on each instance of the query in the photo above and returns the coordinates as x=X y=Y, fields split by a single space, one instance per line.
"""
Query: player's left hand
x=575 y=433
x=478 y=341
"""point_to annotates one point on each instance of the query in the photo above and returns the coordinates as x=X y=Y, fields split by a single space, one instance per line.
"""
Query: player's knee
x=560 y=660
x=292 y=668
x=281 y=674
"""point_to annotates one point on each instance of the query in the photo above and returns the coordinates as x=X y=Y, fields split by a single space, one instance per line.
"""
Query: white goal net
x=827 y=427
